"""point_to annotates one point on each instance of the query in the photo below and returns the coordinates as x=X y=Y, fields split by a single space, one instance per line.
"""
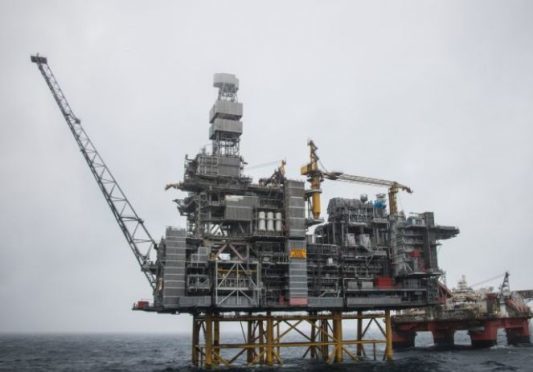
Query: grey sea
x=151 y=352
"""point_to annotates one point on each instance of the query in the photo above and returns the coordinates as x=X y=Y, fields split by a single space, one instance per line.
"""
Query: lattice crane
x=132 y=226
x=316 y=173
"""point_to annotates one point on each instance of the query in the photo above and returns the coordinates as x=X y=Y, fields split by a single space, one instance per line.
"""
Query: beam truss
x=132 y=226
x=316 y=336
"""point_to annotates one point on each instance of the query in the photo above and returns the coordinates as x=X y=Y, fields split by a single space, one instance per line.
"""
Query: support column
x=261 y=340
x=278 y=339
x=360 y=347
x=216 y=341
x=485 y=337
x=519 y=333
x=324 y=332
x=250 y=352
x=388 y=336
x=337 y=334
x=403 y=339
x=313 y=349
x=208 y=341
x=269 y=340
x=195 y=341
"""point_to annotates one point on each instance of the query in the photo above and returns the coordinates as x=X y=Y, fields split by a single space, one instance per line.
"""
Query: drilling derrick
x=226 y=128
x=247 y=249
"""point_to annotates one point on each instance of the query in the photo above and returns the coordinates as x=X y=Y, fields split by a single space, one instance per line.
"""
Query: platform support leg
x=261 y=341
x=519 y=333
x=360 y=347
x=485 y=337
x=324 y=339
x=216 y=342
x=313 y=349
x=278 y=340
x=337 y=336
x=208 y=341
x=403 y=339
x=269 y=340
x=195 y=341
x=250 y=352
x=388 y=336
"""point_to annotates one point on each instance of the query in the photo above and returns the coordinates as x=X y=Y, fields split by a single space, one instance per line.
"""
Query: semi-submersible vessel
x=260 y=253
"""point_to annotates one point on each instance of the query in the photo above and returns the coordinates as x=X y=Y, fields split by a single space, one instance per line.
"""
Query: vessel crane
x=132 y=226
x=505 y=289
x=316 y=173
x=488 y=280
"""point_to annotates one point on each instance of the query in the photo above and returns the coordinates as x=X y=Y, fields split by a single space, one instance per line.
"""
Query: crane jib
x=132 y=226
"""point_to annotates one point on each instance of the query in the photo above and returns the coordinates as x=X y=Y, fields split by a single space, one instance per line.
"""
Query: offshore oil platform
x=259 y=253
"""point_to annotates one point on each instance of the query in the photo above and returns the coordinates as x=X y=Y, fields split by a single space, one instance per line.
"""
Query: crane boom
x=365 y=180
x=316 y=174
x=488 y=280
x=132 y=226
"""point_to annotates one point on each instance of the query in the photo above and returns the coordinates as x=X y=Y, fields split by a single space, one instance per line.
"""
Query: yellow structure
x=315 y=178
x=393 y=190
x=320 y=336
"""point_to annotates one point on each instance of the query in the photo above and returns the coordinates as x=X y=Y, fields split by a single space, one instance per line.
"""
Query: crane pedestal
x=265 y=337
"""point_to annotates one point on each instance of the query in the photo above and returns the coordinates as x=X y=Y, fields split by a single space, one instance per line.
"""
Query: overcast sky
x=436 y=95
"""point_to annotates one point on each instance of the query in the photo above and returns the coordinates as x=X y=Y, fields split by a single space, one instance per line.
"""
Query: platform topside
x=251 y=246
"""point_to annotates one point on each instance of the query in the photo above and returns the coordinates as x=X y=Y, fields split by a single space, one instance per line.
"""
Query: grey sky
x=437 y=95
